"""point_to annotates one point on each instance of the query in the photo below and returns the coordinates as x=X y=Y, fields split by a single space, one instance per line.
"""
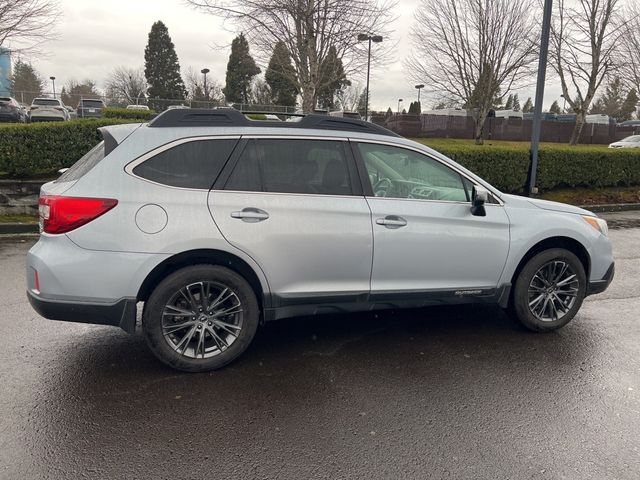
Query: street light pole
x=399 y=101
x=419 y=87
x=542 y=73
x=53 y=81
x=370 y=38
x=204 y=72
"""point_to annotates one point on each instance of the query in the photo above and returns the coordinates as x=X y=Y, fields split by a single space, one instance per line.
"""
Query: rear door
x=295 y=206
x=425 y=237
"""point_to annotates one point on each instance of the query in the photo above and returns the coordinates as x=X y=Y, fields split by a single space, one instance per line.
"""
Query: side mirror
x=479 y=197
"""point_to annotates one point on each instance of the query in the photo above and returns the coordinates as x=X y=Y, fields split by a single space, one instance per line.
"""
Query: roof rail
x=229 y=117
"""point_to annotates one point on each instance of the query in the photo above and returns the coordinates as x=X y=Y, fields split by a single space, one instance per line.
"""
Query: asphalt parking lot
x=433 y=393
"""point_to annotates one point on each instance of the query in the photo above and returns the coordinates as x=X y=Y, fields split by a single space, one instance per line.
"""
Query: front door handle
x=250 y=215
x=392 y=221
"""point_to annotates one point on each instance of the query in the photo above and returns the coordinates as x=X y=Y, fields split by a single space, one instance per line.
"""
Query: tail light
x=62 y=214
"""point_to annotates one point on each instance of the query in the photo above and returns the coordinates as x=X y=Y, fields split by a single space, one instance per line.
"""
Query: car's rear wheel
x=200 y=318
x=549 y=290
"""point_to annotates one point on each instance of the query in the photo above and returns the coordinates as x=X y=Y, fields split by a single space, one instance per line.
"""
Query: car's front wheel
x=549 y=290
x=200 y=318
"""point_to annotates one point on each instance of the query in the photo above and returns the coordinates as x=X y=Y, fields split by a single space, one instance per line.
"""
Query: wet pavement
x=432 y=393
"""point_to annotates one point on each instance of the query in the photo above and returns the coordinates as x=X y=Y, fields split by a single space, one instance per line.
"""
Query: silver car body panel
x=312 y=248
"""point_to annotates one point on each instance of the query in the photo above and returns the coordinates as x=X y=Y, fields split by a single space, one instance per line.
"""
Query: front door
x=292 y=205
x=425 y=237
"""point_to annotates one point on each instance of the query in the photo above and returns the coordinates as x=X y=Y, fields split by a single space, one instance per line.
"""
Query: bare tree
x=194 y=81
x=309 y=28
x=25 y=24
x=474 y=51
x=584 y=36
x=349 y=97
x=627 y=55
x=126 y=86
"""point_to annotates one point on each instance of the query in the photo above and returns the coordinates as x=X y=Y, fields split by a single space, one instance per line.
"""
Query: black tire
x=520 y=301
x=152 y=318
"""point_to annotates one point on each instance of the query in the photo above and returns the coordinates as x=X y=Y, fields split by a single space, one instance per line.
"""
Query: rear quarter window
x=194 y=164
x=82 y=166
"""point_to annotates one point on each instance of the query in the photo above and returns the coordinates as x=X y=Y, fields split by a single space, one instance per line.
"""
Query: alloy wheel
x=553 y=291
x=202 y=320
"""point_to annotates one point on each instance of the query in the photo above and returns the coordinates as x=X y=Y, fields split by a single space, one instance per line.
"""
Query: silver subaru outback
x=216 y=223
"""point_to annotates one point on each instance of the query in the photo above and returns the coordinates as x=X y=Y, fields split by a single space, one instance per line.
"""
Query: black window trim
x=354 y=177
x=128 y=168
x=368 y=188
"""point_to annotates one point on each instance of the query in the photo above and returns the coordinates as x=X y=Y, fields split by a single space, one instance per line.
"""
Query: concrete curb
x=18 y=228
x=613 y=207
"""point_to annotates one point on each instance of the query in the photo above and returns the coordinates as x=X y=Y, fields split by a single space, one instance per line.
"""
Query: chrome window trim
x=128 y=168
x=426 y=154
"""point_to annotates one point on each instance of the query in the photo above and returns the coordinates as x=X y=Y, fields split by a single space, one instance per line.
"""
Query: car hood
x=626 y=144
x=524 y=202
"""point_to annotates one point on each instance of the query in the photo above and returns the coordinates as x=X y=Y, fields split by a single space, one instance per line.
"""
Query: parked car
x=48 y=110
x=72 y=113
x=137 y=107
x=630 y=142
x=90 y=108
x=11 y=111
x=176 y=107
x=216 y=223
x=630 y=123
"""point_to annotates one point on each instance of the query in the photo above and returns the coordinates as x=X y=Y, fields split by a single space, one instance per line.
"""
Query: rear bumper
x=599 y=286
x=120 y=314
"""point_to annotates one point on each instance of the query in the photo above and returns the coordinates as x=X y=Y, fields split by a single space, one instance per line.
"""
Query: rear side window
x=82 y=166
x=194 y=164
x=292 y=166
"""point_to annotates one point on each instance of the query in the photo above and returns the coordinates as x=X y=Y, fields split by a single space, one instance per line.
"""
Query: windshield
x=46 y=101
x=632 y=139
x=92 y=103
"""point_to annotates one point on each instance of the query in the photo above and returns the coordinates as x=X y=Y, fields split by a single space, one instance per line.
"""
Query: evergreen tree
x=281 y=77
x=241 y=69
x=614 y=102
x=161 y=68
x=555 y=108
x=629 y=106
x=332 y=79
x=26 y=83
x=389 y=113
x=509 y=104
x=362 y=103
x=528 y=106
x=516 y=103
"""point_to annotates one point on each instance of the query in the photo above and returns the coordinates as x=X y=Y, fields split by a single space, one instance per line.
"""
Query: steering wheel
x=382 y=186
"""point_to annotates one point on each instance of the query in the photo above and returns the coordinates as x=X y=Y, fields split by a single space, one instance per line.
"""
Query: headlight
x=597 y=223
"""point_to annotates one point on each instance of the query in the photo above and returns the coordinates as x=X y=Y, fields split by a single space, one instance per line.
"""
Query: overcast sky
x=96 y=35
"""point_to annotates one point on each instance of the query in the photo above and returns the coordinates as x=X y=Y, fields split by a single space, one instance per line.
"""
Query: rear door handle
x=392 y=221
x=250 y=215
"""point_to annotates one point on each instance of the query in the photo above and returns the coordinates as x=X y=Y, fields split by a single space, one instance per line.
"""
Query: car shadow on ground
x=445 y=364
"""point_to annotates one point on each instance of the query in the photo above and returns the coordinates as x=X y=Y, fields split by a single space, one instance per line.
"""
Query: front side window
x=292 y=166
x=400 y=173
x=194 y=164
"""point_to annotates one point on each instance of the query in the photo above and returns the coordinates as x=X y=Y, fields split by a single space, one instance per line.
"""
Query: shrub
x=46 y=147
x=128 y=114
x=560 y=166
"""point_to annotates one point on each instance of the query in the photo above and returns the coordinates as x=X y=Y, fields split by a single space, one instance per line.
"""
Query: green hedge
x=128 y=114
x=560 y=166
x=46 y=147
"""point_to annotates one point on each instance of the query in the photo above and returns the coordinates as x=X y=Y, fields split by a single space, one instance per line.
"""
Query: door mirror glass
x=479 y=197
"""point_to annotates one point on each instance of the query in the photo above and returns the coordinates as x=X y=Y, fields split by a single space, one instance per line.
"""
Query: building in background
x=5 y=71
